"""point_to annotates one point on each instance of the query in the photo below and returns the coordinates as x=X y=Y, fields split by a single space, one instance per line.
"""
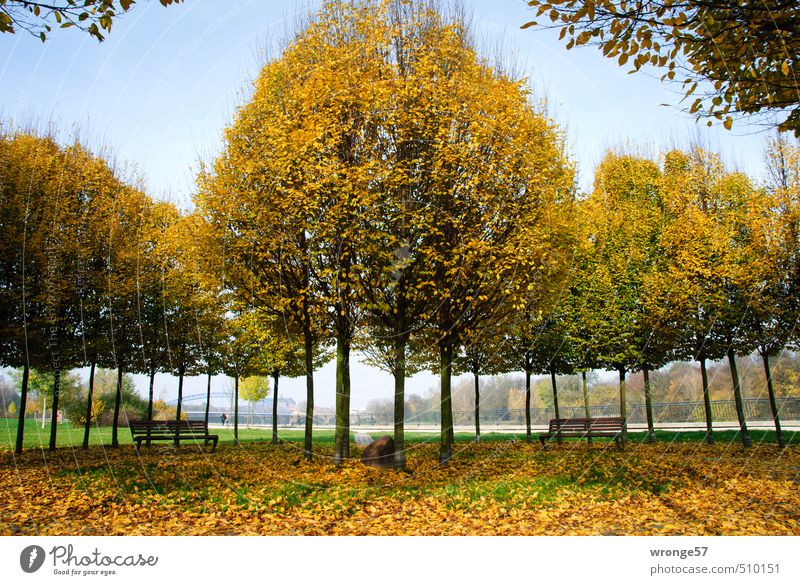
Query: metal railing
x=755 y=409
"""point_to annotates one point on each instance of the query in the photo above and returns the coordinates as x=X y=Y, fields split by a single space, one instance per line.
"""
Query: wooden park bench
x=562 y=428
x=170 y=430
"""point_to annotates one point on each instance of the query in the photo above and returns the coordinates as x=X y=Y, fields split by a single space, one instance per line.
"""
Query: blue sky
x=161 y=88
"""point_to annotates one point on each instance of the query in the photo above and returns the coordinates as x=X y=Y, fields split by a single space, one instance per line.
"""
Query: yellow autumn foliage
x=503 y=488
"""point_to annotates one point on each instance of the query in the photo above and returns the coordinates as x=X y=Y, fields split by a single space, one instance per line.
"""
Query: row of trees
x=678 y=382
x=388 y=191
x=385 y=188
x=97 y=274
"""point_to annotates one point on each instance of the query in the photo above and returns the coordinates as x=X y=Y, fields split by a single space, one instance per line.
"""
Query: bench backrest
x=167 y=426
x=606 y=424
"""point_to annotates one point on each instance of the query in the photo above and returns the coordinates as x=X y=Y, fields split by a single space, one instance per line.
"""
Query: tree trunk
x=308 y=446
x=23 y=401
x=772 y=402
x=208 y=398
x=445 y=370
x=737 y=395
x=528 y=405
x=236 y=409
x=54 y=415
x=276 y=374
x=707 y=401
x=477 y=407
x=181 y=371
x=150 y=393
x=648 y=404
x=117 y=402
x=555 y=398
x=88 y=426
x=341 y=448
x=623 y=405
x=586 y=398
x=399 y=401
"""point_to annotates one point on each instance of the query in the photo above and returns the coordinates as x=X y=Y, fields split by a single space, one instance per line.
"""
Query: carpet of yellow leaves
x=503 y=488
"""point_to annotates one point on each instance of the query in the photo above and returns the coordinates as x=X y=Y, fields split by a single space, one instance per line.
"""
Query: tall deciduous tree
x=702 y=248
x=51 y=256
x=29 y=163
x=482 y=354
x=192 y=315
x=495 y=176
x=255 y=201
x=624 y=214
x=773 y=277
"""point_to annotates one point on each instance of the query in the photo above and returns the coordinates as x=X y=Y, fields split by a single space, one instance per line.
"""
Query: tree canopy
x=728 y=56
x=94 y=17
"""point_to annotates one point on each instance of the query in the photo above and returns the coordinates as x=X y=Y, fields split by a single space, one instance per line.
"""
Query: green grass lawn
x=68 y=435
x=37 y=437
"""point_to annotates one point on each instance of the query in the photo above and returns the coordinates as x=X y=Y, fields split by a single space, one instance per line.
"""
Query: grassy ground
x=502 y=485
x=70 y=436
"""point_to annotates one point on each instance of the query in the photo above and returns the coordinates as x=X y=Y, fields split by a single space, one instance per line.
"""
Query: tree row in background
x=97 y=274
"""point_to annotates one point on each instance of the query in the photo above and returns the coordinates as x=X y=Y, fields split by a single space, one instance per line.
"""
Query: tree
x=537 y=342
x=90 y=16
x=123 y=226
x=150 y=300
x=690 y=292
x=553 y=353
x=305 y=187
x=306 y=167
x=768 y=265
x=395 y=268
x=192 y=313
x=28 y=164
x=624 y=217
x=95 y=189
x=243 y=353
x=262 y=226
x=702 y=292
x=279 y=353
x=253 y=389
x=496 y=179
x=481 y=355
x=733 y=57
x=41 y=213
x=196 y=253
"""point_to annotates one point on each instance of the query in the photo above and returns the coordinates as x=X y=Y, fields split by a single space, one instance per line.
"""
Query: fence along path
x=723 y=411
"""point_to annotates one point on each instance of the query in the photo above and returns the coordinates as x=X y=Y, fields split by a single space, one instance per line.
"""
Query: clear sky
x=161 y=88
